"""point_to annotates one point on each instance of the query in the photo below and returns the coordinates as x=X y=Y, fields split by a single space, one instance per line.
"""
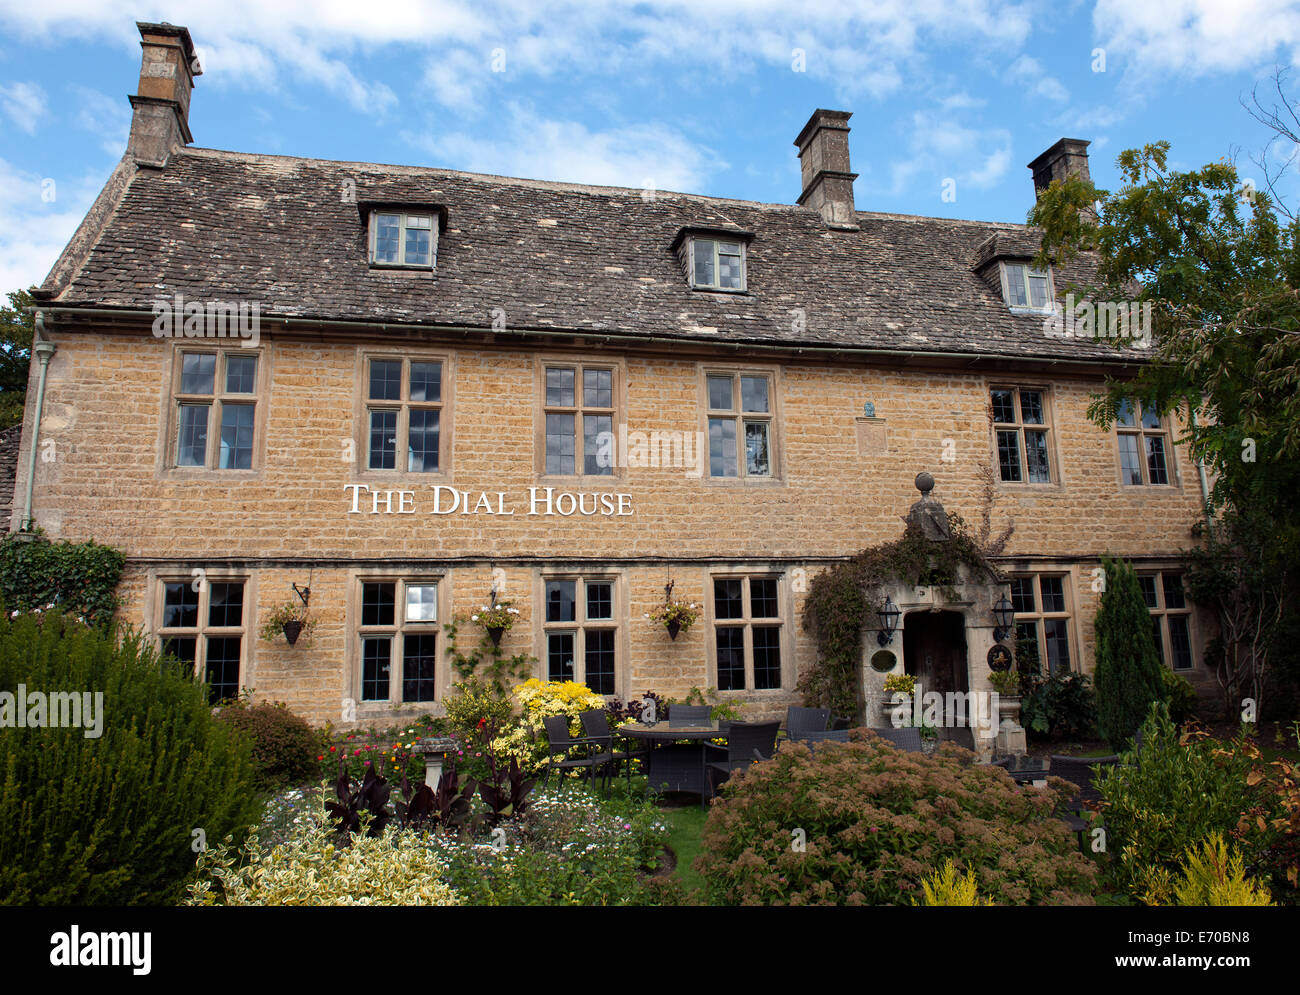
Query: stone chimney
x=161 y=108
x=1068 y=157
x=824 y=160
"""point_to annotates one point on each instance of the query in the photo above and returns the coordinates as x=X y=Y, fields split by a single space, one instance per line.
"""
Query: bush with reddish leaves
x=285 y=747
x=862 y=823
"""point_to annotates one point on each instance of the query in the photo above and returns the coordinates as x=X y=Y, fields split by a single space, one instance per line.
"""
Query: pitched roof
x=285 y=233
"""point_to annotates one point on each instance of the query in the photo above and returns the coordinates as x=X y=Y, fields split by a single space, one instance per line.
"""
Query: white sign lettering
x=542 y=502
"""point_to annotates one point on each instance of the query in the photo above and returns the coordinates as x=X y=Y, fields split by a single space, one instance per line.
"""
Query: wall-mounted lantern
x=889 y=616
x=1004 y=614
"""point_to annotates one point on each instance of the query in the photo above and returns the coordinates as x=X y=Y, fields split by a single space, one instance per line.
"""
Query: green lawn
x=685 y=821
x=686 y=824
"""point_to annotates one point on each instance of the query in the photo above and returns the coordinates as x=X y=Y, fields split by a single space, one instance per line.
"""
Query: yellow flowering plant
x=538 y=699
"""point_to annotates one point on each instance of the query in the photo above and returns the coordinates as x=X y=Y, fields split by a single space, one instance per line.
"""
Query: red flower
x=482 y=722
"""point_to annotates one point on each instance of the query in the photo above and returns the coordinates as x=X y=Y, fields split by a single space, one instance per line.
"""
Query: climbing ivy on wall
x=79 y=579
x=848 y=597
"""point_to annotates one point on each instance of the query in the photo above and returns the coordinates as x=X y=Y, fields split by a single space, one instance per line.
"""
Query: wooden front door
x=934 y=650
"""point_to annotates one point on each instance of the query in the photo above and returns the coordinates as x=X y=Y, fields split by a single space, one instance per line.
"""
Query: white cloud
x=940 y=148
x=35 y=227
x=525 y=144
x=24 y=103
x=1196 y=37
x=962 y=101
x=994 y=167
x=1029 y=72
x=108 y=118
x=871 y=47
x=457 y=78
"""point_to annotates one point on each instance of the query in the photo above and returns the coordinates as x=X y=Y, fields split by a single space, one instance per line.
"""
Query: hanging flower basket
x=496 y=618
x=290 y=619
x=675 y=616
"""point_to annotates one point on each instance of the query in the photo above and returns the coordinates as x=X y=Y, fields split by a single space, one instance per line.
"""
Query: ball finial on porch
x=925 y=483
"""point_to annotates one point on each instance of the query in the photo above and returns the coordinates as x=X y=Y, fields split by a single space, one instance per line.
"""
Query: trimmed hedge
x=110 y=820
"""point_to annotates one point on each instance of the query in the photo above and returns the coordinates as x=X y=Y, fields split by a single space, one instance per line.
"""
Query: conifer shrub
x=1127 y=676
x=1212 y=873
x=284 y=746
x=946 y=887
x=110 y=819
x=862 y=823
x=1180 y=789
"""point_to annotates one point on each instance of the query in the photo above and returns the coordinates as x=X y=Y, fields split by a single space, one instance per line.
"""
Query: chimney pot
x=824 y=163
x=1067 y=158
x=161 y=105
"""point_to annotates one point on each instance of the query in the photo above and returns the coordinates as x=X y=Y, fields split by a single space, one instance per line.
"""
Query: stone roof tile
x=286 y=233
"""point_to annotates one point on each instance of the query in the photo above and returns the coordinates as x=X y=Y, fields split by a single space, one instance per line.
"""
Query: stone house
x=406 y=388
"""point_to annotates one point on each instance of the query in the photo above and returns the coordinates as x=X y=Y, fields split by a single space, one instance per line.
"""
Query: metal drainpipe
x=44 y=349
x=1205 y=483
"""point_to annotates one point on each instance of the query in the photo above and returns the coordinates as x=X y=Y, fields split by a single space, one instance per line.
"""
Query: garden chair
x=841 y=722
x=561 y=742
x=690 y=715
x=963 y=736
x=595 y=724
x=1078 y=771
x=800 y=720
x=812 y=738
x=747 y=743
x=908 y=739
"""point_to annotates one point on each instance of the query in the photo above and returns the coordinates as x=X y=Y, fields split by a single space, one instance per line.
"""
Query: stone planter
x=1009 y=709
x=1011 y=735
x=888 y=706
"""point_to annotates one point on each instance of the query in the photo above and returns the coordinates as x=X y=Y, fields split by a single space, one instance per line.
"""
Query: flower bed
x=570 y=847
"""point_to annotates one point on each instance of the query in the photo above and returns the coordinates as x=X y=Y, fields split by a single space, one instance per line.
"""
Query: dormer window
x=401 y=239
x=1025 y=288
x=713 y=258
x=717 y=265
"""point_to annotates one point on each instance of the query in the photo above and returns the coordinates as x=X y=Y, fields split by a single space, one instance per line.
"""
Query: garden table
x=675 y=760
x=1030 y=770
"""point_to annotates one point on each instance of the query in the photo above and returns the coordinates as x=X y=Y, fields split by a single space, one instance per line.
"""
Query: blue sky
x=693 y=96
